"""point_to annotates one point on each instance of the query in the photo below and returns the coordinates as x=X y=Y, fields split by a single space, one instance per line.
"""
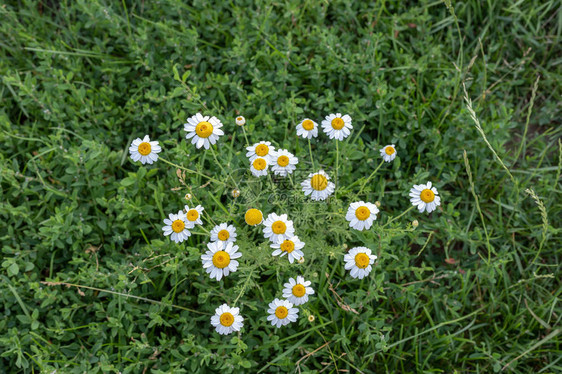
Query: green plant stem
x=123 y=294
x=222 y=168
x=401 y=214
x=471 y=182
x=245 y=136
x=337 y=162
x=529 y=111
x=190 y=171
x=370 y=176
x=311 y=158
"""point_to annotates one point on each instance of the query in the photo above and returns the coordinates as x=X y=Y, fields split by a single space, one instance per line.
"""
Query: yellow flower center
x=287 y=246
x=389 y=150
x=192 y=215
x=262 y=150
x=239 y=118
x=253 y=217
x=226 y=319
x=204 y=129
x=337 y=123
x=281 y=312
x=362 y=213
x=178 y=225
x=221 y=259
x=223 y=235
x=283 y=161
x=278 y=227
x=259 y=164
x=319 y=182
x=145 y=148
x=427 y=196
x=299 y=290
x=307 y=124
x=362 y=260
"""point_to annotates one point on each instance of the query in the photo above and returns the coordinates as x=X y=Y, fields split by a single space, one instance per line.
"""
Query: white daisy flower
x=361 y=215
x=388 y=153
x=176 y=226
x=240 y=121
x=259 y=166
x=337 y=126
x=425 y=197
x=284 y=162
x=253 y=217
x=290 y=247
x=227 y=320
x=359 y=260
x=224 y=233
x=144 y=150
x=281 y=313
x=193 y=215
x=278 y=228
x=317 y=185
x=308 y=129
x=297 y=290
x=219 y=260
x=203 y=130
x=261 y=149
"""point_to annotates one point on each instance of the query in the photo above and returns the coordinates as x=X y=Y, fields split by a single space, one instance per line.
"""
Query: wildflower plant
x=280 y=232
x=397 y=210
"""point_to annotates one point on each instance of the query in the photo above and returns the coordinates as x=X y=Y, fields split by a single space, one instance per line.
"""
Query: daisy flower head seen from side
x=425 y=197
x=227 y=320
x=308 y=129
x=259 y=166
x=176 y=227
x=292 y=247
x=283 y=162
x=144 y=150
x=388 y=153
x=281 y=313
x=278 y=228
x=262 y=149
x=203 y=130
x=193 y=215
x=224 y=233
x=359 y=261
x=337 y=126
x=318 y=186
x=253 y=217
x=297 y=290
x=240 y=121
x=361 y=215
x=220 y=259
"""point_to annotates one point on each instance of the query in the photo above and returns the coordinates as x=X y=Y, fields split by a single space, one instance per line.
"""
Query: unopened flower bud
x=240 y=121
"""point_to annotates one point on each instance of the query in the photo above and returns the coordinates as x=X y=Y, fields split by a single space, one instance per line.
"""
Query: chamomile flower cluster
x=295 y=292
x=221 y=254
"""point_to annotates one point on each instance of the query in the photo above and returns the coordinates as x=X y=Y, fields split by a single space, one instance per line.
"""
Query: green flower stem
x=337 y=161
x=222 y=168
x=370 y=176
x=245 y=136
x=395 y=218
x=311 y=159
x=190 y=171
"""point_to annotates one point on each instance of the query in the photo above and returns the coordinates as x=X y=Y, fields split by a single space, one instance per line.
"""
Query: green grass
x=88 y=282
